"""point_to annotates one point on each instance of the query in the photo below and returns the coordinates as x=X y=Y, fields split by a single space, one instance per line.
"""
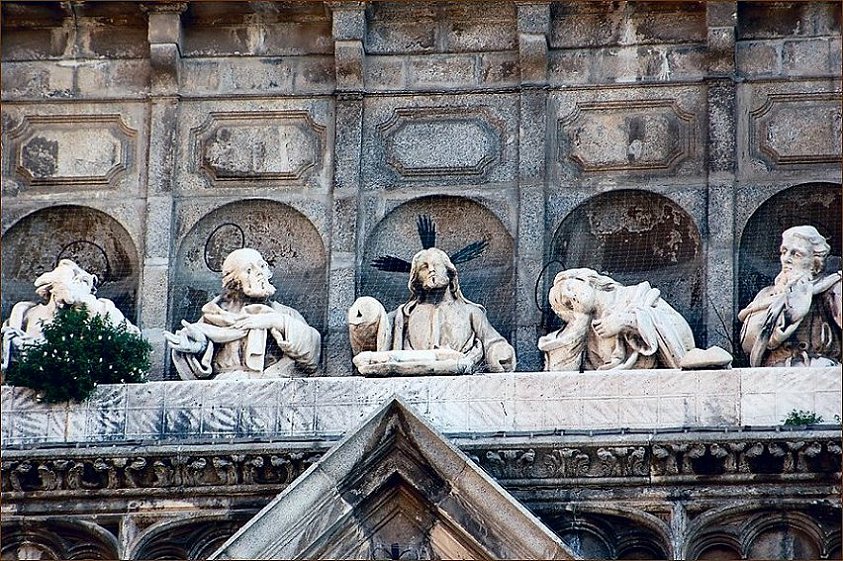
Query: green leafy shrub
x=801 y=418
x=79 y=351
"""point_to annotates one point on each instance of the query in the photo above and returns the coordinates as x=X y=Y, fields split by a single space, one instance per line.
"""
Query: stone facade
x=654 y=141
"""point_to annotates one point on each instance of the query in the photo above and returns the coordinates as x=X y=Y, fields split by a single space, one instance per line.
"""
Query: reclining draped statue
x=242 y=334
x=437 y=331
x=609 y=326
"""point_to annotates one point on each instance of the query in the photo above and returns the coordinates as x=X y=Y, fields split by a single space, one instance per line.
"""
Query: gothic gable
x=394 y=489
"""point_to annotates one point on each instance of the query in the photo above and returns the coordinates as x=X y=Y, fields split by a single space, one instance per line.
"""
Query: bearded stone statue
x=797 y=321
x=243 y=334
x=68 y=285
x=437 y=331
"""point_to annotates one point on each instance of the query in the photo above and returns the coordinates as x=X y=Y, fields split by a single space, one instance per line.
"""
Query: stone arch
x=286 y=238
x=816 y=204
x=633 y=236
x=783 y=535
x=755 y=531
x=56 y=538
x=98 y=242
x=487 y=280
x=608 y=533
x=196 y=537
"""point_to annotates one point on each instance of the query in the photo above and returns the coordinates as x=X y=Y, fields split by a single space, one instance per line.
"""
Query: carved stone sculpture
x=68 y=285
x=438 y=331
x=612 y=326
x=243 y=334
x=797 y=321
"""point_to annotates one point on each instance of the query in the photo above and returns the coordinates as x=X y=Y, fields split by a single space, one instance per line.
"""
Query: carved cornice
x=152 y=471
x=710 y=460
x=664 y=462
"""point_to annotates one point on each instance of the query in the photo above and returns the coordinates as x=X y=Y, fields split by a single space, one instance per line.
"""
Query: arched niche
x=486 y=280
x=633 y=236
x=783 y=542
x=603 y=535
x=94 y=240
x=289 y=242
x=814 y=204
x=57 y=539
x=195 y=538
x=788 y=531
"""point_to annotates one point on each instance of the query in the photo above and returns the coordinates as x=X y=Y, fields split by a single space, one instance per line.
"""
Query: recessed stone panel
x=646 y=135
x=261 y=144
x=797 y=129
x=413 y=149
x=453 y=140
x=632 y=132
x=71 y=151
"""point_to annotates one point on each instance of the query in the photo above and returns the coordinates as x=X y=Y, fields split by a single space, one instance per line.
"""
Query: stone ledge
x=798 y=456
x=326 y=407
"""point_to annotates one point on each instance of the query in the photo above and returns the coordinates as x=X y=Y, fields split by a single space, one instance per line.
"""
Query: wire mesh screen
x=94 y=240
x=470 y=234
x=286 y=239
x=814 y=204
x=631 y=236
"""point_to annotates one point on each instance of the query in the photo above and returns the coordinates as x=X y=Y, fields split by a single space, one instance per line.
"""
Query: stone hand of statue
x=259 y=321
x=187 y=340
x=500 y=358
x=612 y=324
x=798 y=296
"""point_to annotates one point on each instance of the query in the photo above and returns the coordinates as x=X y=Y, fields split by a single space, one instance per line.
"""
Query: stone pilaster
x=349 y=29
x=164 y=37
x=533 y=29
x=721 y=18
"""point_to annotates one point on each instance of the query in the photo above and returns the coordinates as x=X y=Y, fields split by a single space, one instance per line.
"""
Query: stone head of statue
x=577 y=291
x=246 y=272
x=66 y=285
x=432 y=269
x=803 y=252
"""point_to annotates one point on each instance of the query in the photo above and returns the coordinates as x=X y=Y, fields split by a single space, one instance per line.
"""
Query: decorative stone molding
x=634 y=135
x=153 y=471
x=418 y=141
x=744 y=458
x=670 y=460
x=238 y=146
x=72 y=151
x=797 y=129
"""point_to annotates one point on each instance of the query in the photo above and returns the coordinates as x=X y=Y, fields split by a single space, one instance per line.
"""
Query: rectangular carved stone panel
x=54 y=149
x=460 y=139
x=797 y=129
x=255 y=145
x=652 y=131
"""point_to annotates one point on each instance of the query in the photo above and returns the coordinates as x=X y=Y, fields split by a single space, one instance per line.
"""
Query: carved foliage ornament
x=663 y=460
x=138 y=472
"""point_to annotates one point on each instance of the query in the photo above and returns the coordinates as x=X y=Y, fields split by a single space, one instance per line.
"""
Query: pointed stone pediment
x=394 y=489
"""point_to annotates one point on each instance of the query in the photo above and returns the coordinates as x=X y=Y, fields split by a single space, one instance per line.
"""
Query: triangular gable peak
x=394 y=489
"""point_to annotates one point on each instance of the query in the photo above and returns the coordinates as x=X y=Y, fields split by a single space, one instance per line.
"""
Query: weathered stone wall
x=643 y=139
x=659 y=464
x=661 y=141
